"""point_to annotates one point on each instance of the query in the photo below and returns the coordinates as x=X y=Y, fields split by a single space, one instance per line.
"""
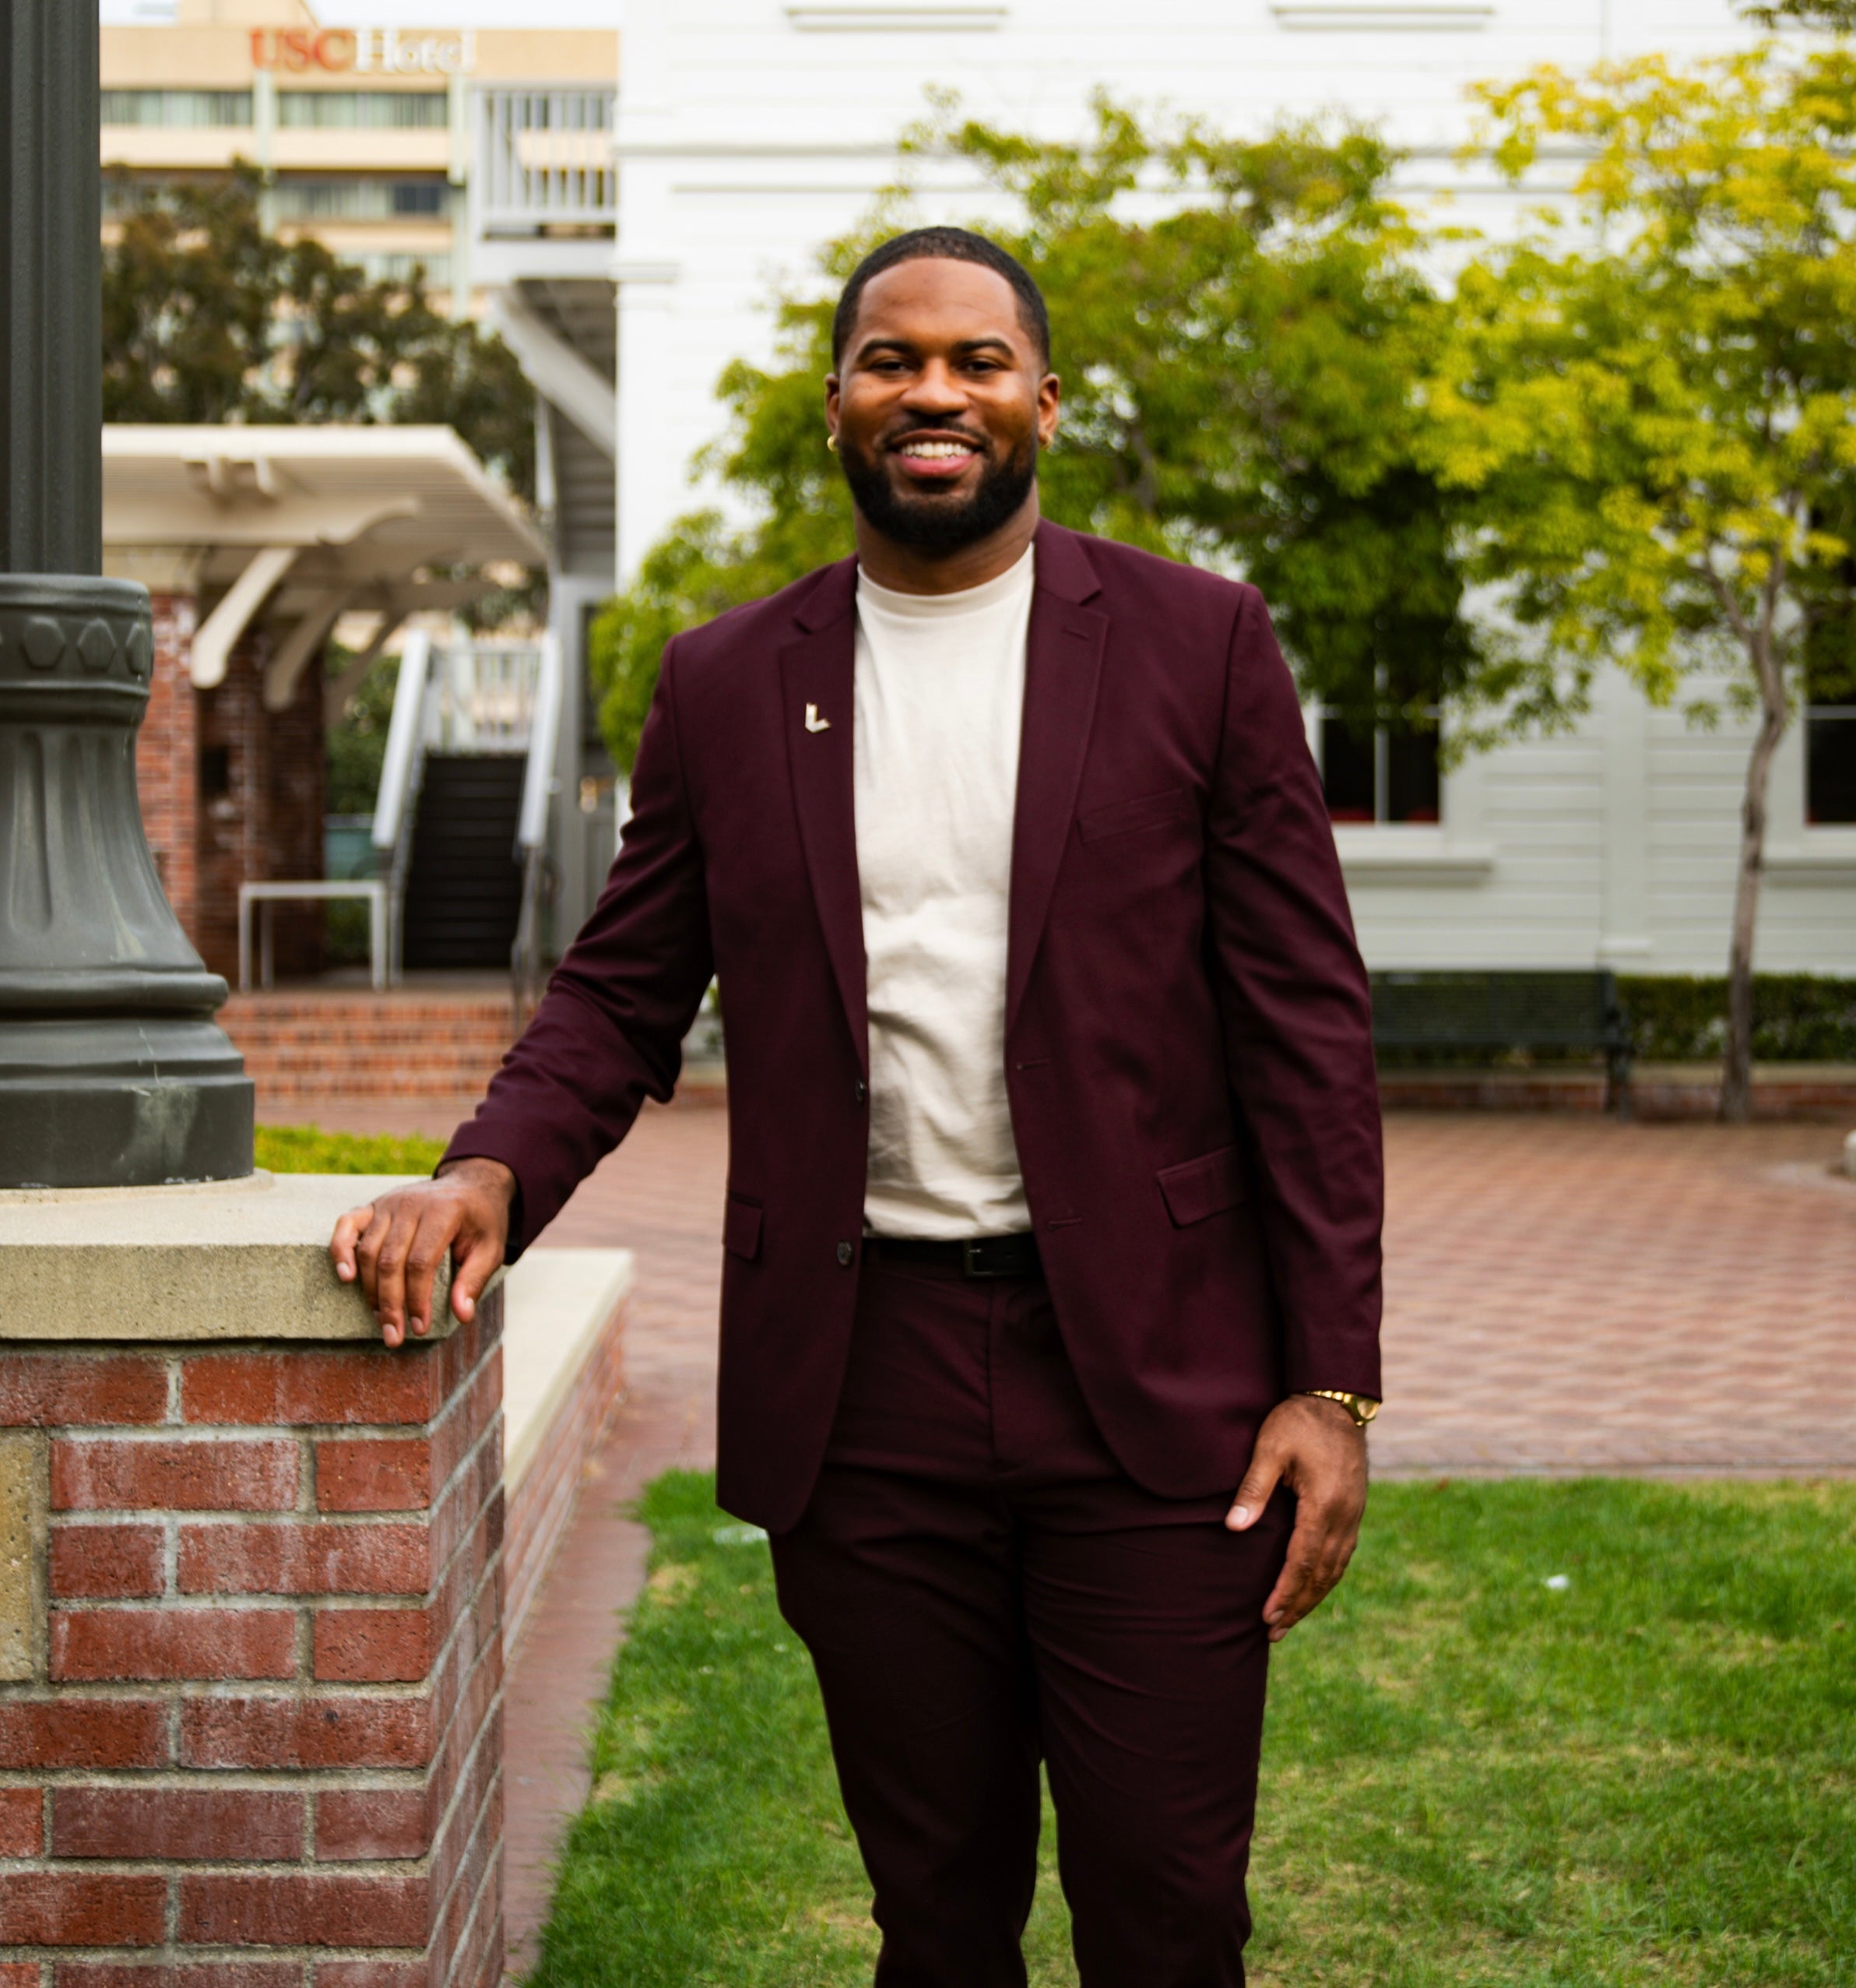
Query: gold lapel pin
x=813 y=721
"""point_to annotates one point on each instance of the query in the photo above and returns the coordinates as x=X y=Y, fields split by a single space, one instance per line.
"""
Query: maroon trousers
x=980 y=1586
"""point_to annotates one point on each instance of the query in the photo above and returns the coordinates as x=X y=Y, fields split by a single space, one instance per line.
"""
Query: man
x=1055 y=1179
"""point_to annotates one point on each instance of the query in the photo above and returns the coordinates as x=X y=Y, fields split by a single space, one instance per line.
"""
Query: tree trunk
x=1737 y=1073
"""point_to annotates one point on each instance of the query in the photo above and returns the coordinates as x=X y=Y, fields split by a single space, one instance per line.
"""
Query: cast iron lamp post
x=112 y=1072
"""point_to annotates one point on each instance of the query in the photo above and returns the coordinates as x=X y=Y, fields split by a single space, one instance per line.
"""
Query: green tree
x=1238 y=370
x=1655 y=409
x=1839 y=15
x=206 y=317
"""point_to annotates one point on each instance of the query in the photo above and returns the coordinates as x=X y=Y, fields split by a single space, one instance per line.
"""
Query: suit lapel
x=817 y=674
x=1063 y=663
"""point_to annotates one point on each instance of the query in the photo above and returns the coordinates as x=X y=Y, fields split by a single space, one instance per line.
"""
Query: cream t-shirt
x=940 y=696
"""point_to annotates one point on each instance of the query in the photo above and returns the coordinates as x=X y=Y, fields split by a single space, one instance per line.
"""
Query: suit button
x=861 y=1091
x=846 y=1252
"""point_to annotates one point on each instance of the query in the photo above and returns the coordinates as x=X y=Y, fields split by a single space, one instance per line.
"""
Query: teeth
x=937 y=451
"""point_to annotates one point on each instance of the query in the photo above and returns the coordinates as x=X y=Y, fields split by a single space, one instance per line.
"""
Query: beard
x=933 y=523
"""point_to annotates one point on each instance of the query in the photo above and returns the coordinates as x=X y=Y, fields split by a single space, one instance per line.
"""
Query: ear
x=1050 y=396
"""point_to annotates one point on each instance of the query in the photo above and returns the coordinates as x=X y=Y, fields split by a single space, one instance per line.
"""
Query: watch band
x=1362 y=1408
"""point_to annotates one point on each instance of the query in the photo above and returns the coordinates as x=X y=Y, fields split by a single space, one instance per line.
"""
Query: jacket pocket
x=1197 y=1188
x=1147 y=810
x=741 y=1228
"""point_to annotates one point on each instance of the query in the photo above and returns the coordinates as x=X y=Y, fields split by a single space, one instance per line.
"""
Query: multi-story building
x=482 y=155
x=363 y=134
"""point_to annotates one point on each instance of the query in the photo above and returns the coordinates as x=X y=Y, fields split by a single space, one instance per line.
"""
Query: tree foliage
x=1838 y=15
x=1655 y=411
x=1239 y=327
x=207 y=318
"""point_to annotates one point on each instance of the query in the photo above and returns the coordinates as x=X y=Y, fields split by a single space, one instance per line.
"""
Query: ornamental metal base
x=112 y=1071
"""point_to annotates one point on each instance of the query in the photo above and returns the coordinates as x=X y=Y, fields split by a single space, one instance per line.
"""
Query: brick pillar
x=251 y=1626
x=167 y=760
x=261 y=780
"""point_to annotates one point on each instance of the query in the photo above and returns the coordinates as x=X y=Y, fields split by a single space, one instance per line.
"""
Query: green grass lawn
x=308 y=1149
x=1648 y=1776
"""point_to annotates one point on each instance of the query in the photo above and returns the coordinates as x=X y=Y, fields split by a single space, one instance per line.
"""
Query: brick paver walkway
x=1562 y=1294
x=1568 y=1294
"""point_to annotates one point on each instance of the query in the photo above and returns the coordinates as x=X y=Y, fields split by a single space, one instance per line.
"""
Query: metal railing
x=544 y=159
x=538 y=783
x=486 y=697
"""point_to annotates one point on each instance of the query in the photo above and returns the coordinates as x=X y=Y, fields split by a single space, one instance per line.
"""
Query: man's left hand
x=1315 y=1447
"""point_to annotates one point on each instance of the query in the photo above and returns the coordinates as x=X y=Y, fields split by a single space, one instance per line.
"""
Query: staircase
x=463 y=891
x=309 y=1047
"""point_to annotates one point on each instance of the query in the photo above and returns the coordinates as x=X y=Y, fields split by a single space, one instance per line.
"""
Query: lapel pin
x=813 y=721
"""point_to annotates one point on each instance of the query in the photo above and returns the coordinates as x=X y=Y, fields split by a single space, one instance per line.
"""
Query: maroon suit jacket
x=1188 y=1036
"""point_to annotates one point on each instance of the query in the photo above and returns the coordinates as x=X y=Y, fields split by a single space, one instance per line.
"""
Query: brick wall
x=167 y=759
x=230 y=793
x=261 y=808
x=252 y=1736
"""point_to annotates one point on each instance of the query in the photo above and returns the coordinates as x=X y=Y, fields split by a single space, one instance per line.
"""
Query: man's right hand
x=395 y=1245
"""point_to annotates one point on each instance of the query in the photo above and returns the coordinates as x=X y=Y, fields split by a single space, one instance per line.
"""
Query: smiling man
x=1051 y=1288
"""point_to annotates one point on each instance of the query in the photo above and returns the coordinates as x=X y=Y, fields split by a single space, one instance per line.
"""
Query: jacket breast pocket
x=1198 y=1188
x=1128 y=818
x=741 y=1227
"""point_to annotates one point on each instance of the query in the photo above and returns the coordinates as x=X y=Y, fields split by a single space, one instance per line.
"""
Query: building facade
x=749 y=131
x=363 y=134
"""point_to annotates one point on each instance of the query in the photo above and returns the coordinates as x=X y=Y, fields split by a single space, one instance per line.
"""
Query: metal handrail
x=544 y=158
x=397 y=800
x=539 y=784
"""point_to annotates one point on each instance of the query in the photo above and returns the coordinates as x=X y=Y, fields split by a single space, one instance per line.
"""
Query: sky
x=420 y=13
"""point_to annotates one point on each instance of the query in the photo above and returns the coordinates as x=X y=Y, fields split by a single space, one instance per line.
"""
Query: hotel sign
x=391 y=51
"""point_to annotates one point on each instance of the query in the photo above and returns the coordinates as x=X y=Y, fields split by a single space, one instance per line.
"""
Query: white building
x=749 y=131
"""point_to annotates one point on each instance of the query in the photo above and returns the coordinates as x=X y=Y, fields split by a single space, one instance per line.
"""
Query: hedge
x=1798 y=1018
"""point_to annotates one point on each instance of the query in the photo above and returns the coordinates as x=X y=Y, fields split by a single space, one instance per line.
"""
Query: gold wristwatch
x=1362 y=1408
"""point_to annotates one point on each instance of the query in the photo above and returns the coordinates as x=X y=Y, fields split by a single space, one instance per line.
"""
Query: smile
x=937 y=452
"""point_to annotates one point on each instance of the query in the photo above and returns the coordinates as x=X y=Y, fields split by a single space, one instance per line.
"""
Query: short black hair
x=951 y=245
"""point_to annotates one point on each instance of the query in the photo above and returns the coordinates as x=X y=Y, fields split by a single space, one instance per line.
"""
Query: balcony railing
x=544 y=160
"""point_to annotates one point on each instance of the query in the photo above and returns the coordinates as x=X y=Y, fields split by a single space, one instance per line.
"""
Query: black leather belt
x=981 y=1256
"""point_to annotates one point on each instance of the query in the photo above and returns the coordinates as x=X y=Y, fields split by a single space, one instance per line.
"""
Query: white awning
x=312 y=519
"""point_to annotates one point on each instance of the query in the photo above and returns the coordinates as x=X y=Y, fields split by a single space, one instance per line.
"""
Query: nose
x=936 y=390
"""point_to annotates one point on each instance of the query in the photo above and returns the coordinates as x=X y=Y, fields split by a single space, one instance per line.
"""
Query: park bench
x=1496 y=1013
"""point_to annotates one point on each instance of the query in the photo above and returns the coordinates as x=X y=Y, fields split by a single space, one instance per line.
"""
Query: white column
x=652 y=474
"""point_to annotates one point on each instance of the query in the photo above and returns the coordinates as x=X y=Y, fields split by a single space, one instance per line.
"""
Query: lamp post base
x=118 y=1101
x=112 y=1071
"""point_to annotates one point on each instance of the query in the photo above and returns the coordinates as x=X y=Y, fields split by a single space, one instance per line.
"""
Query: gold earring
x=830 y=442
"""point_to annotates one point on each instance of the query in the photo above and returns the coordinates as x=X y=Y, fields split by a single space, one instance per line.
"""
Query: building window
x=359 y=198
x=419 y=197
x=399 y=268
x=1378 y=776
x=178 y=109
x=1830 y=763
x=363 y=109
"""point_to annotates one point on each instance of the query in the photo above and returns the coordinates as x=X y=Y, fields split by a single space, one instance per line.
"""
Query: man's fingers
x=1283 y=1609
x=1314 y=1568
x=390 y=1275
x=471 y=1270
x=431 y=1240
x=367 y=1253
x=348 y=1231
x=1253 y=1494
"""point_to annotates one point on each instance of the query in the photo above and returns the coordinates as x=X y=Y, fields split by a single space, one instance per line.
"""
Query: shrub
x=1798 y=1018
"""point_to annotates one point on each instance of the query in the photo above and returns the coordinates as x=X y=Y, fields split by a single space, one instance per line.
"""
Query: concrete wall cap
x=234 y=1260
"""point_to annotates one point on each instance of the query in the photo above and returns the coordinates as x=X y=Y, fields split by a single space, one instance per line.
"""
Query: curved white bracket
x=299 y=647
x=213 y=642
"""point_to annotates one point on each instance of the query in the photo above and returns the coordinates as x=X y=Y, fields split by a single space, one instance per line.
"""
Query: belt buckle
x=972 y=1265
